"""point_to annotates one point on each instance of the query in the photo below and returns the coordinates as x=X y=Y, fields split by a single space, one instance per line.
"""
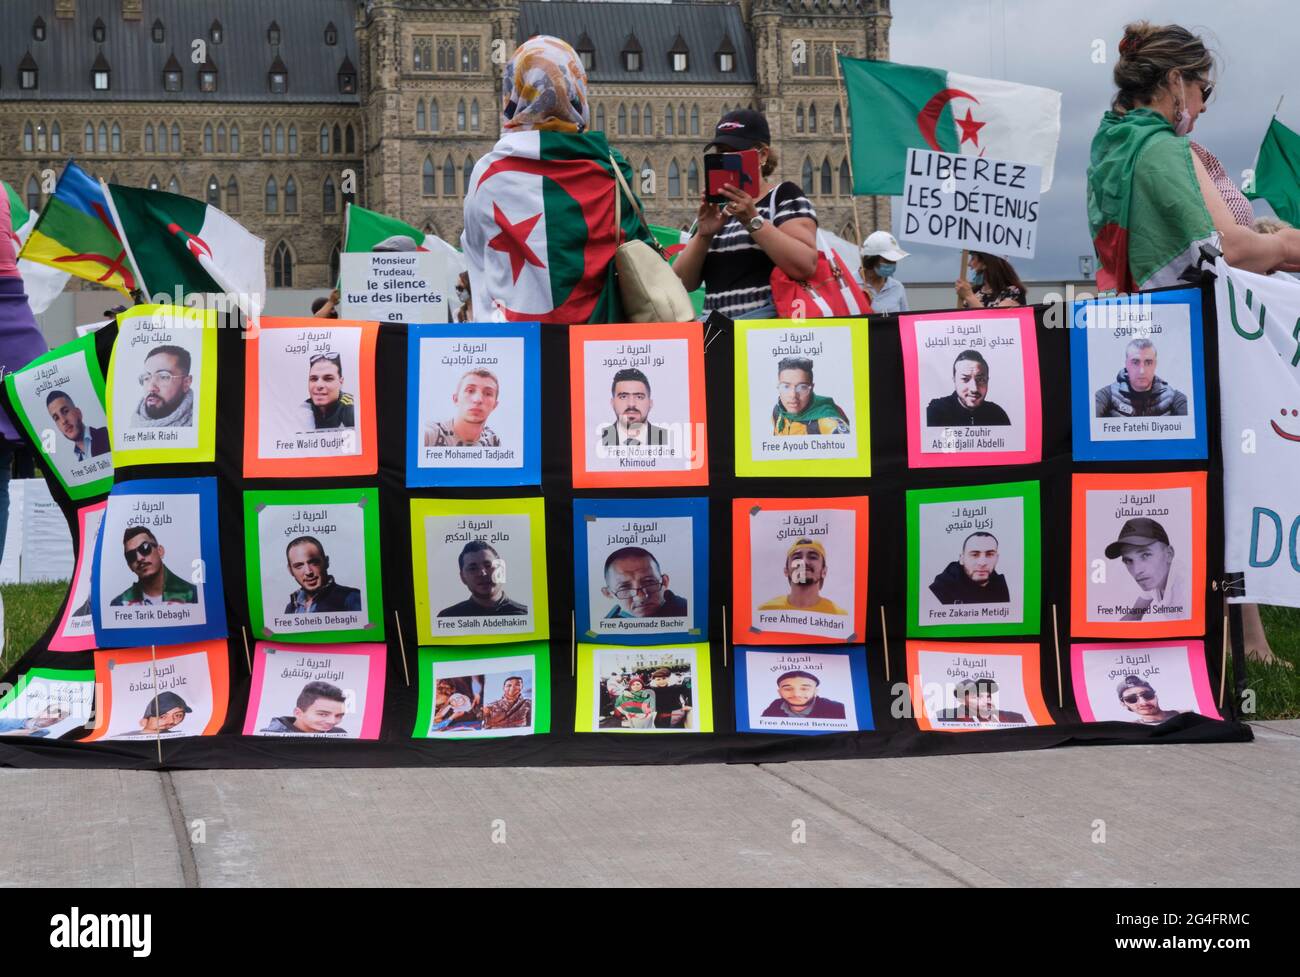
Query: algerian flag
x=41 y=283
x=539 y=229
x=176 y=242
x=1277 y=173
x=897 y=107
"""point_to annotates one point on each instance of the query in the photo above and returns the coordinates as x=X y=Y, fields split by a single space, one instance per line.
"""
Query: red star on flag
x=970 y=129
x=513 y=240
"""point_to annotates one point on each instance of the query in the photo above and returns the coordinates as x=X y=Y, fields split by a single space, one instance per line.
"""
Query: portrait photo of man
x=317 y=588
x=1140 y=699
x=35 y=726
x=475 y=398
x=483 y=572
x=165 y=711
x=977 y=703
x=1137 y=391
x=327 y=405
x=1143 y=547
x=634 y=581
x=973 y=577
x=968 y=404
x=631 y=403
x=805 y=569
x=512 y=709
x=155 y=583
x=167 y=400
x=798 y=697
x=319 y=709
x=87 y=441
x=672 y=702
x=799 y=409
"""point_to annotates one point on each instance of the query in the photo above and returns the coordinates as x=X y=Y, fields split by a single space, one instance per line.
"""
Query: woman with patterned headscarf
x=539 y=233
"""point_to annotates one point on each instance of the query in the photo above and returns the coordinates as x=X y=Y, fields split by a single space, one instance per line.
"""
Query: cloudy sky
x=1050 y=43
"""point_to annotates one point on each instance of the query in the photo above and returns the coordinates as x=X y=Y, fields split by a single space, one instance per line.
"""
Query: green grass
x=29 y=608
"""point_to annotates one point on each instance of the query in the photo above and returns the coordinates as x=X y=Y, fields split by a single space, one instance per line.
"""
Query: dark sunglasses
x=1146 y=696
x=144 y=549
x=1206 y=92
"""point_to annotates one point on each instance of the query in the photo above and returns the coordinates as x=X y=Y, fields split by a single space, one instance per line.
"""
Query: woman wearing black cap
x=736 y=246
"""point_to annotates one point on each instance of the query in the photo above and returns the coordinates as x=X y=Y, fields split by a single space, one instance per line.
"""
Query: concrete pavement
x=1202 y=815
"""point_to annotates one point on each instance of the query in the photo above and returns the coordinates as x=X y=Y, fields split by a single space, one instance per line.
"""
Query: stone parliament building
x=272 y=109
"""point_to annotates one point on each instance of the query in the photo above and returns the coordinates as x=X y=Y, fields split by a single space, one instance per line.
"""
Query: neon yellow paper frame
x=825 y=341
x=440 y=515
x=205 y=404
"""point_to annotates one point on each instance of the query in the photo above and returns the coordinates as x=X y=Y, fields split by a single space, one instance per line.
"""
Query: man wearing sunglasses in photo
x=155 y=584
x=1140 y=699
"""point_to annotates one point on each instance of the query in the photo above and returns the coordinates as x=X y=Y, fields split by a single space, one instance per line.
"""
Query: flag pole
x=1279 y=105
x=848 y=149
x=126 y=245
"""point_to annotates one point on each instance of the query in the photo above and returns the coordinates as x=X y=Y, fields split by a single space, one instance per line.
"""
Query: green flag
x=1277 y=174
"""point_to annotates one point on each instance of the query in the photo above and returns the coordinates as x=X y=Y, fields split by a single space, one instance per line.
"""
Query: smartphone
x=737 y=169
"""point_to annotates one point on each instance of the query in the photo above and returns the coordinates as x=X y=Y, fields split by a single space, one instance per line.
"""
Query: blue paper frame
x=1081 y=393
x=857 y=656
x=530 y=472
x=697 y=509
x=214 y=595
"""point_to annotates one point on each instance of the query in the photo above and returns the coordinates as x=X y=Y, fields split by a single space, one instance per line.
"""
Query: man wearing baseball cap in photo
x=1143 y=547
x=165 y=711
x=734 y=248
x=805 y=568
x=880 y=257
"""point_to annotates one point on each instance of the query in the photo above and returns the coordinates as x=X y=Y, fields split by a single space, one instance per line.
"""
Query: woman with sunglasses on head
x=1155 y=197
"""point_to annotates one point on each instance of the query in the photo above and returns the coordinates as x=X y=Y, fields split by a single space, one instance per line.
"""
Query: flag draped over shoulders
x=1146 y=213
x=539 y=234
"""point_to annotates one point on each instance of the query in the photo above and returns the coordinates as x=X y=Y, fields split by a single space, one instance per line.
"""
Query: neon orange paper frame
x=281 y=439
x=1115 y=518
x=933 y=689
x=765 y=533
x=669 y=358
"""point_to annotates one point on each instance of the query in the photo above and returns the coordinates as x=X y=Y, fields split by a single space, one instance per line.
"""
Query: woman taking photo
x=736 y=246
x=993 y=284
x=1152 y=202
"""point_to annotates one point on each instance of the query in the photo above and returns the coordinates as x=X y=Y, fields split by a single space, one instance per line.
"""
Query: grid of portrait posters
x=162 y=692
x=1137 y=369
x=800 y=569
x=802 y=690
x=802 y=398
x=474 y=405
x=59 y=397
x=974 y=560
x=156 y=575
x=637 y=407
x=331 y=691
x=660 y=689
x=1142 y=682
x=641 y=569
x=468 y=693
x=162 y=386
x=480 y=570
x=972 y=388
x=314 y=567
x=310 y=398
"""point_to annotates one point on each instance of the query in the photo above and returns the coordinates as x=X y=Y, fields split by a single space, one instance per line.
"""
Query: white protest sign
x=395 y=286
x=971 y=202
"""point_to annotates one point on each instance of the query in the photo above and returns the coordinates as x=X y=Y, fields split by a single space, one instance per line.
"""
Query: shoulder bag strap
x=631 y=197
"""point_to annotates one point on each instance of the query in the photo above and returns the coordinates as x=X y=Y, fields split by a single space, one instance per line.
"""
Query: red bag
x=832 y=291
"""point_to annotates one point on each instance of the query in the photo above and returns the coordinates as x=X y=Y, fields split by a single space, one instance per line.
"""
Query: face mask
x=1183 y=124
x=977 y=278
x=461 y=294
x=885 y=269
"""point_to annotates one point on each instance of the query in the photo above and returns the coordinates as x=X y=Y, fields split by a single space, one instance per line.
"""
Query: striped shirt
x=737 y=271
x=1238 y=204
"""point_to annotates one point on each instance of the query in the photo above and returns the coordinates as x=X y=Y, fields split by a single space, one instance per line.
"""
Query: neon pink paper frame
x=85 y=557
x=1033 y=451
x=1194 y=647
x=377 y=652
